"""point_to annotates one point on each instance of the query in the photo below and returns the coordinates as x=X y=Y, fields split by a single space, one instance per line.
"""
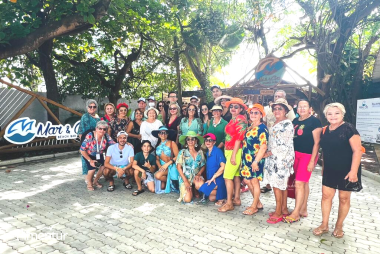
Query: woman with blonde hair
x=341 y=169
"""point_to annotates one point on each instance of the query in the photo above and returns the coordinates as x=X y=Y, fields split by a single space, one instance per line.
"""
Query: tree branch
x=66 y=25
x=32 y=60
x=309 y=46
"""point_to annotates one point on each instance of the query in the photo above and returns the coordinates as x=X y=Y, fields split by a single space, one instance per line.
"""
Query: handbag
x=350 y=186
x=291 y=186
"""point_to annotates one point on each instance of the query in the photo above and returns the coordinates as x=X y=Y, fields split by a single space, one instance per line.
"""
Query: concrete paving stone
x=191 y=249
x=78 y=245
x=91 y=250
x=220 y=245
x=45 y=248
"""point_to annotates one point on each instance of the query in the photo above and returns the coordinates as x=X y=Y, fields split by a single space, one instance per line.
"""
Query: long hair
x=208 y=113
x=196 y=110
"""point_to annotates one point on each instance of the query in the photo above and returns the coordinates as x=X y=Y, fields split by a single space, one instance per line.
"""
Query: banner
x=368 y=120
x=269 y=71
x=24 y=130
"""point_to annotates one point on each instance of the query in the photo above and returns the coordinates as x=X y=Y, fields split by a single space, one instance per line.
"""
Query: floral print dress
x=279 y=165
x=190 y=168
x=253 y=140
x=117 y=125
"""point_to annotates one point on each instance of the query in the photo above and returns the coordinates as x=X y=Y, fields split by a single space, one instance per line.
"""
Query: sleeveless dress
x=172 y=171
x=135 y=141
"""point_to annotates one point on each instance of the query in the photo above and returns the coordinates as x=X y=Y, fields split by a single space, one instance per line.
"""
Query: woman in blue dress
x=88 y=123
x=191 y=163
x=166 y=178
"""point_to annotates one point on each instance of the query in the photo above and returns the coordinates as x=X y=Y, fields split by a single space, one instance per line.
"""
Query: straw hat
x=217 y=100
x=216 y=107
x=151 y=108
x=282 y=102
x=236 y=101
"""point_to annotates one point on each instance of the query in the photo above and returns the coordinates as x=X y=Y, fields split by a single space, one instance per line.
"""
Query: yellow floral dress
x=253 y=140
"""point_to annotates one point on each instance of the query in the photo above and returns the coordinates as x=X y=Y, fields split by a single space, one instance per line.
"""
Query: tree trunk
x=47 y=68
x=178 y=71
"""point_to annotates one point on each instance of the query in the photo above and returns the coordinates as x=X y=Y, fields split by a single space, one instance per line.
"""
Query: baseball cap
x=210 y=135
x=194 y=97
x=141 y=99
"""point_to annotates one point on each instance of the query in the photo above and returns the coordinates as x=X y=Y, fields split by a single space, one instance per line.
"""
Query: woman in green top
x=216 y=126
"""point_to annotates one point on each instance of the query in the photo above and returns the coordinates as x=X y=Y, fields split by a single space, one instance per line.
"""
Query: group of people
x=208 y=152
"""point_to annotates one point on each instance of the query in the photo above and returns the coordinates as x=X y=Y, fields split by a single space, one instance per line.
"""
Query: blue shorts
x=119 y=166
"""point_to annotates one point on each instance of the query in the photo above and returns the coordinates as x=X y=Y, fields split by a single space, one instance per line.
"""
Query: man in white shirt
x=118 y=162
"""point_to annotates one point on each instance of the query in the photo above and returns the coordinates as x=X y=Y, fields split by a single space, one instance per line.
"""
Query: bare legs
x=344 y=207
x=162 y=176
x=300 y=200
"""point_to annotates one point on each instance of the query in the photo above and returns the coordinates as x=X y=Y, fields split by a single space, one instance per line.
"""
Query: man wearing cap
x=269 y=116
x=216 y=126
x=141 y=105
x=216 y=92
x=151 y=101
x=214 y=187
x=118 y=162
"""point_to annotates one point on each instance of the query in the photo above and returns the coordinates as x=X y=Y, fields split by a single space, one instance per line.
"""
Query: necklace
x=335 y=127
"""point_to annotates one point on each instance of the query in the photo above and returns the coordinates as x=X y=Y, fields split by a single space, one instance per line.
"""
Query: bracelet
x=89 y=160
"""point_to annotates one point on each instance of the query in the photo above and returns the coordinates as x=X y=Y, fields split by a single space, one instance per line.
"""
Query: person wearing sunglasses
x=161 y=111
x=235 y=131
x=254 y=147
x=144 y=166
x=279 y=159
x=87 y=124
x=190 y=164
x=184 y=111
x=173 y=121
x=120 y=123
x=192 y=122
x=119 y=159
x=93 y=146
x=166 y=154
x=214 y=187
x=216 y=126
x=205 y=115
x=133 y=130
x=221 y=101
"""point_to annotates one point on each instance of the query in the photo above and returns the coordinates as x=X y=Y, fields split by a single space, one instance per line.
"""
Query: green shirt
x=218 y=130
x=139 y=157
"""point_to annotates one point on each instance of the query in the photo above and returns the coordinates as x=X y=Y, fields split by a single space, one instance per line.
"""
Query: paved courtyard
x=45 y=208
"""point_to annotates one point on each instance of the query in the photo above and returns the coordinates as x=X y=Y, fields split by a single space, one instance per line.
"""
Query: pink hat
x=210 y=135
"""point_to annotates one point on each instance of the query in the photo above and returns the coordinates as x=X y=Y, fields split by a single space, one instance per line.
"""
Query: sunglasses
x=204 y=109
x=173 y=108
x=122 y=110
x=92 y=107
x=121 y=154
x=163 y=133
x=102 y=129
x=278 y=109
x=191 y=109
x=224 y=100
x=235 y=107
x=190 y=139
x=209 y=140
x=254 y=113
x=160 y=106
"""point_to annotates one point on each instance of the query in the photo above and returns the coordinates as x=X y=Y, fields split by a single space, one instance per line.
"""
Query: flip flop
x=137 y=192
x=265 y=189
x=98 y=185
x=111 y=188
x=127 y=186
x=224 y=208
x=274 y=220
x=250 y=211
x=318 y=231
x=220 y=203
x=290 y=220
x=90 y=188
x=284 y=215
x=336 y=235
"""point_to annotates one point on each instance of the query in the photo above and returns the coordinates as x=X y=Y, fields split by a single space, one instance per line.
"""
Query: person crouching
x=118 y=162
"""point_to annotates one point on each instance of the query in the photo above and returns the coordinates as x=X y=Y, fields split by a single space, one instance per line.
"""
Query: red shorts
x=301 y=161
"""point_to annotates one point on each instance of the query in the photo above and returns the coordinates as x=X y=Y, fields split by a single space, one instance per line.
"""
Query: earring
x=196 y=145
x=186 y=146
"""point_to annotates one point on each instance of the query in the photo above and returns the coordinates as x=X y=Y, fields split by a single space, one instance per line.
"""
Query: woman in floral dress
x=191 y=163
x=254 y=148
x=279 y=163
x=120 y=123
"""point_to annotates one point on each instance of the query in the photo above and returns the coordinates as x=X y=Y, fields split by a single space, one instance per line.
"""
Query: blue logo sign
x=363 y=106
x=269 y=71
x=24 y=130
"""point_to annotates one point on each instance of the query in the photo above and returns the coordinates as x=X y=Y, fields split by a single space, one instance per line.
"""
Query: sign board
x=368 y=120
x=269 y=71
x=267 y=92
x=250 y=91
x=23 y=130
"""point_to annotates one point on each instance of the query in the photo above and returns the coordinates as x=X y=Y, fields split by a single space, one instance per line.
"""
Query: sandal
x=283 y=216
x=265 y=189
x=289 y=220
x=274 y=220
x=220 y=202
x=137 y=192
x=111 y=188
x=127 y=186
x=98 y=185
x=90 y=188
x=336 y=235
x=251 y=211
x=226 y=208
x=318 y=231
